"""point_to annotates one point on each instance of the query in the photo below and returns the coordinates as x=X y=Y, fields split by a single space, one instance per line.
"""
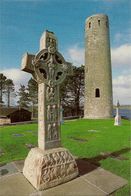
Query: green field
x=88 y=139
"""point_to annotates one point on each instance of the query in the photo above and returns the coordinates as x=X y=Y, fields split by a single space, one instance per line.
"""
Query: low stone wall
x=5 y=121
x=19 y=123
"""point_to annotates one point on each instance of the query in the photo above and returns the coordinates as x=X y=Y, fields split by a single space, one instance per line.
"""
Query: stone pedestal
x=117 y=120
x=45 y=169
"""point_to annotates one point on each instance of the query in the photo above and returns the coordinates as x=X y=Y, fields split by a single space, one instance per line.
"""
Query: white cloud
x=75 y=54
x=121 y=56
x=18 y=76
x=123 y=81
x=122 y=89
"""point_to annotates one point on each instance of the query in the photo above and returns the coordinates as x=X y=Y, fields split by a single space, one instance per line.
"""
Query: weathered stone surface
x=76 y=187
x=15 y=185
x=105 y=180
x=19 y=165
x=7 y=169
x=4 y=121
x=98 y=76
x=49 y=168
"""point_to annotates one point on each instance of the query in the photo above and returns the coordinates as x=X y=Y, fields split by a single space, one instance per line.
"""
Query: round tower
x=98 y=76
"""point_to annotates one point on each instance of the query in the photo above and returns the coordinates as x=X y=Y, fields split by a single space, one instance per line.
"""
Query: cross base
x=117 y=120
x=49 y=168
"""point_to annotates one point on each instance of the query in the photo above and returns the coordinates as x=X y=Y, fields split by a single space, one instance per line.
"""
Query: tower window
x=89 y=24
x=99 y=22
x=97 y=92
x=106 y=24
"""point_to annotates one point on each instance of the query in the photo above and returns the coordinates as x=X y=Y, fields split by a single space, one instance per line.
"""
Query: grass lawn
x=84 y=138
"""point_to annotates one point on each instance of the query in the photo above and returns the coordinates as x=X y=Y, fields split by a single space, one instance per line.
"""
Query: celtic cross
x=49 y=69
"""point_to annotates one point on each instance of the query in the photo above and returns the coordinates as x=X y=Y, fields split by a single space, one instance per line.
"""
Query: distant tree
x=72 y=91
x=9 y=89
x=23 y=97
x=2 y=87
x=32 y=94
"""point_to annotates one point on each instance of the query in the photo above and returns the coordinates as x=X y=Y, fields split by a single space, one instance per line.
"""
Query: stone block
x=76 y=187
x=105 y=180
x=7 y=169
x=15 y=185
x=5 y=121
x=19 y=165
x=45 y=169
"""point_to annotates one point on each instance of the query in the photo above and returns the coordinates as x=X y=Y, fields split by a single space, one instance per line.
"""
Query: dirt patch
x=29 y=146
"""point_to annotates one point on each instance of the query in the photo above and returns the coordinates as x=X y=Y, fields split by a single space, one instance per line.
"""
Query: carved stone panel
x=49 y=168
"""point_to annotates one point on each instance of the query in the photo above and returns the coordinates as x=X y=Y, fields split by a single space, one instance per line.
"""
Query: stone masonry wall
x=97 y=68
x=5 y=121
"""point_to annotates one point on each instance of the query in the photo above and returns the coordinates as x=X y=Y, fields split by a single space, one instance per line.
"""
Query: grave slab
x=15 y=185
x=105 y=180
x=8 y=169
x=17 y=135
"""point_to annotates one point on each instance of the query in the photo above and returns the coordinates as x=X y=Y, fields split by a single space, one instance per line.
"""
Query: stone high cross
x=117 y=117
x=48 y=164
x=49 y=69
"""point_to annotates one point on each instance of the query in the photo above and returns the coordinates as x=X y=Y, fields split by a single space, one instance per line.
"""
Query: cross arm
x=27 y=63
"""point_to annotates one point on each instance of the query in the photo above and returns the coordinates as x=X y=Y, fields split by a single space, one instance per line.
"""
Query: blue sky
x=23 y=21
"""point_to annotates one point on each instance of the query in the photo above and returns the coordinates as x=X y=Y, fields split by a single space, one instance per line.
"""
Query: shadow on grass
x=86 y=165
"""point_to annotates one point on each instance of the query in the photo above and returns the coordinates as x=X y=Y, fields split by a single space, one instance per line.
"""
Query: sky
x=22 y=23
